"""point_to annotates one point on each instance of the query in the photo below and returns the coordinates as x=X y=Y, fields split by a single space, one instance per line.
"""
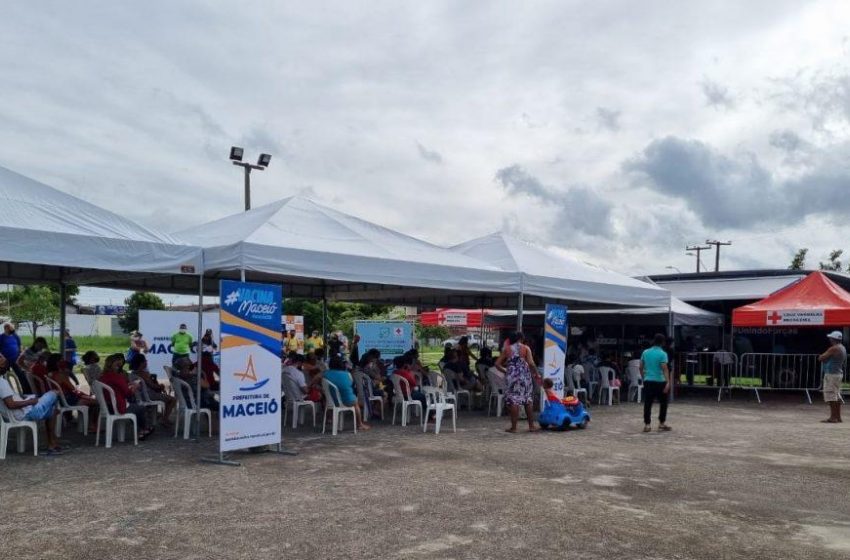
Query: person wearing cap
x=181 y=344
x=833 y=373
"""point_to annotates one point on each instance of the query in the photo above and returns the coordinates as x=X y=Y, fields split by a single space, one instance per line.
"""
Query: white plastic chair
x=591 y=375
x=13 y=380
x=577 y=375
x=436 y=404
x=497 y=391
x=337 y=410
x=8 y=423
x=295 y=402
x=635 y=380
x=143 y=397
x=606 y=385
x=110 y=418
x=81 y=410
x=453 y=388
x=366 y=393
x=36 y=383
x=187 y=408
x=405 y=402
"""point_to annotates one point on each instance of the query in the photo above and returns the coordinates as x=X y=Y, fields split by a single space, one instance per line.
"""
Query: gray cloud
x=577 y=208
x=823 y=97
x=716 y=95
x=795 y=149
x=608 y=119
x=431 y=156
x=739 y=192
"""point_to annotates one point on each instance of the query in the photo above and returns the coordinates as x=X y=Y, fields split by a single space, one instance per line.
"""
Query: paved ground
x=735 y=480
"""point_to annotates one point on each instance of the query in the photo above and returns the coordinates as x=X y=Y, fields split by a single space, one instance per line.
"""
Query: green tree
x=139 y=300
x=834 y=262
x=35 y=306
x=436 y=331
x=71 y=293
x=799 y=260
x=341 y=316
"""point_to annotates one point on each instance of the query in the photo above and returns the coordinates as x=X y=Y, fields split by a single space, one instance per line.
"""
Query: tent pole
x=62 y=296
x=325 y=322
x=200 y=369
x=519 y=309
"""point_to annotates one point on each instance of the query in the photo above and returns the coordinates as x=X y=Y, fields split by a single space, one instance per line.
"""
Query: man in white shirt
x=293 y=371
x=32 y=409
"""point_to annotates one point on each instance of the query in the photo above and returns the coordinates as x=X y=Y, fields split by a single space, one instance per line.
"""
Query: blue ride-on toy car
x=560 y=416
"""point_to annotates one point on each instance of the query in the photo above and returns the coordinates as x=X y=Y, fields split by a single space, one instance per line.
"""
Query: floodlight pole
x=248 y=167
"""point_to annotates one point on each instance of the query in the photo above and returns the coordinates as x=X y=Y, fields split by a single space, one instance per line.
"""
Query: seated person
x=402 y=369
x=156 y=391
x=320 y=359
x=29 y=356
x=115 y=378
x=32 y=409
x=310 y=366
x=465 y=378
x=485 y=358
x=58 y=370
x=91 y=366
x=184 y=369
x=343 y=381
x=38 y=369
x=293 y=372
x=211 y=371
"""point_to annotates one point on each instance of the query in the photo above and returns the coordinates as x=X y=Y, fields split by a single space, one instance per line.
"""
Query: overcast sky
x=617 y=130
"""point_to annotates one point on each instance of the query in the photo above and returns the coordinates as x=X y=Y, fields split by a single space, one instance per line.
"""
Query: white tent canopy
x=317 y=251
x=51 y=237
x=684 y=314
x=555 y=276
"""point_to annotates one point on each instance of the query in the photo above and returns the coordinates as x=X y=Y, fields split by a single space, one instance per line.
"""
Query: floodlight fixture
x=264 y=160
x=236 y=153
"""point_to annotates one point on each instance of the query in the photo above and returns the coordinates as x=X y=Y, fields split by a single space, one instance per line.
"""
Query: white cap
x=835 y=335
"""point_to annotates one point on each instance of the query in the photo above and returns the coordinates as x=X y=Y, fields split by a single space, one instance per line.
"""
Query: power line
x=717 y=245
x=698 y=249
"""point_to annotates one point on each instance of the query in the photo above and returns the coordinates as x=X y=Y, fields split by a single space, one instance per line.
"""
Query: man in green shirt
x=181 y=344
x=656 y=382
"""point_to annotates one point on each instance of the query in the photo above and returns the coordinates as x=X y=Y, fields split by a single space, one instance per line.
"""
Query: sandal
x=647 y=429
x=511 y=430
x=830 y=421
x=664 y=428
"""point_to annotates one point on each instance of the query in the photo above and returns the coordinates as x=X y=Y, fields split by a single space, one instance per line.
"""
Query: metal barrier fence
x=706 y=369
x=779 y=372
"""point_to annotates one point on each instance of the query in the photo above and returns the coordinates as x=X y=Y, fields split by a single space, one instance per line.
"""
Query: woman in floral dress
x=517 y=363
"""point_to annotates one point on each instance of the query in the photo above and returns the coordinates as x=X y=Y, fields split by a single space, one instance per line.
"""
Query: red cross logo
x=774 y=317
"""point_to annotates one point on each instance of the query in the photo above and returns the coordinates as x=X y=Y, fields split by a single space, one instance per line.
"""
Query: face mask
x=183 y=331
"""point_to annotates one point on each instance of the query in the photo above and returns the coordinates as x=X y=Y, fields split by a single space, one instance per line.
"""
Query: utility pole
x=698 y=249
x=717 y=245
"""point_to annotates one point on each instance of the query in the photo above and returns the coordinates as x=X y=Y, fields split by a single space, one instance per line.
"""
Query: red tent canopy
x=814 y=301
x=451 y=318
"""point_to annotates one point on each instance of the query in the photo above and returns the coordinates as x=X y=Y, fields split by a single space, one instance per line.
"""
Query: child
x=552 y=397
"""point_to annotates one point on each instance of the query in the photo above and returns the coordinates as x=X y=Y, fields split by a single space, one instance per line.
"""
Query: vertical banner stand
x=222 y=458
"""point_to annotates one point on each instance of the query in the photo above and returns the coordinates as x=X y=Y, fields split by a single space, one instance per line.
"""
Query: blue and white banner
x=555 y=346
x=392 y=338
x=250 y=365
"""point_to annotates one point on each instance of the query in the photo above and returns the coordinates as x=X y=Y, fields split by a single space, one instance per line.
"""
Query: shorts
x=43 y=409
x=831 y=387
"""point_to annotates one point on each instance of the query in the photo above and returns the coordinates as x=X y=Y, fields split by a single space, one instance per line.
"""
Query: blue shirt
x=343 y=382
x=10 y=346
x=652 y=359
